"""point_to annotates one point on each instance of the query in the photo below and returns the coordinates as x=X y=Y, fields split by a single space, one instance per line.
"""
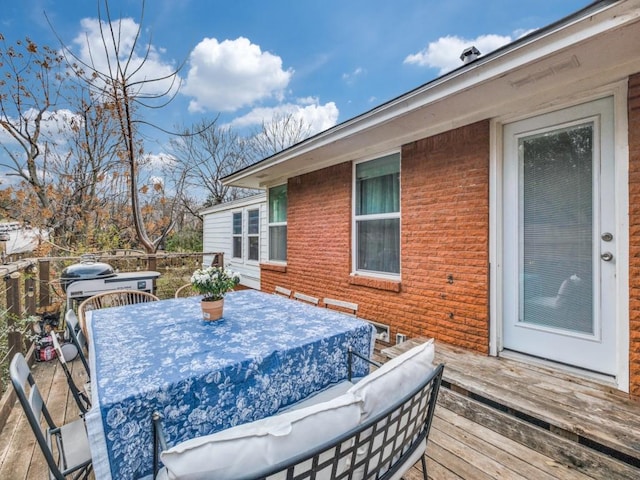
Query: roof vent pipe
x=469 y=54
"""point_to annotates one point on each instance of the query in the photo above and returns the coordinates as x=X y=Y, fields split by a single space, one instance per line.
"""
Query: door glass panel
x=556 y=233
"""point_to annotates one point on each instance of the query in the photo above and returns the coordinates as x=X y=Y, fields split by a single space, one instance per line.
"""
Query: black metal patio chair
x=65 y=447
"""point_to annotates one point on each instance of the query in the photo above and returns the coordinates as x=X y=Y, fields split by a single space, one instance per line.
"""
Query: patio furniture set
x=173 y=396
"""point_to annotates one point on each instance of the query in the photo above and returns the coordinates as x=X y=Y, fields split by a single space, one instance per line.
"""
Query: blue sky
x=326 y=61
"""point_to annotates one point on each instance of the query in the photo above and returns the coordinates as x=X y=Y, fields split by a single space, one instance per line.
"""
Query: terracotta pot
x=212 y=309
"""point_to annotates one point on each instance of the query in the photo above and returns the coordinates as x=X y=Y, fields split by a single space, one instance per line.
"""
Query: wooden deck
x=469 y=439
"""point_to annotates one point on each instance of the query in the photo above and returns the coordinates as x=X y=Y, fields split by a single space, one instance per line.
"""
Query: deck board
x=576 y=405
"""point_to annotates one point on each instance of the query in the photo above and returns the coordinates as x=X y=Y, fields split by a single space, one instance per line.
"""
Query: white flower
x=214 y=282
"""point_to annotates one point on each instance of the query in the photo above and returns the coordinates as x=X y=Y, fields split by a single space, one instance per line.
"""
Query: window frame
x=271 y=225
x=235 y=235
x=378 y=216
x=250 y=235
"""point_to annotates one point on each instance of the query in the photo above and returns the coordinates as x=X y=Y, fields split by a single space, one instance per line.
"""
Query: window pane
x=237 y=247
x=237 y=223
x=378 y=186
x=254 y=222
x=557 y=234
x=278 y=204
x=254 y=248
x=379 y=245
x=278 y=243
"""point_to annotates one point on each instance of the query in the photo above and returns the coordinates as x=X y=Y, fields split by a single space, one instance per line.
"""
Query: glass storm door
x=559 y=247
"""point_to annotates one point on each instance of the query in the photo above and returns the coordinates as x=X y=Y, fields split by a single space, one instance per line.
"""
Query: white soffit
x=581 y=54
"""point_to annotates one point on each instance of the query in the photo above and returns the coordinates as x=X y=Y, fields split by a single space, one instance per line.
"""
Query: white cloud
x=157 y=161
x=444 y=53
x=318 y=117
x=155 y=180
x=145 y=62
x=227 y=75
x=56 y=127
x=351 y=77
x=91 y=50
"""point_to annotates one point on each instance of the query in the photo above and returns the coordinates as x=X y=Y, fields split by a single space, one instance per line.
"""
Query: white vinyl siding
x=218 y=234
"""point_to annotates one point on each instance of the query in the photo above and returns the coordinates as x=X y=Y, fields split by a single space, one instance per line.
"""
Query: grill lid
x=85 y=270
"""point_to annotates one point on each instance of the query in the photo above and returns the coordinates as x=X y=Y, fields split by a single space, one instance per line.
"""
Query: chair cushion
x=325 y=395
x=393 y=380
x=247 y=449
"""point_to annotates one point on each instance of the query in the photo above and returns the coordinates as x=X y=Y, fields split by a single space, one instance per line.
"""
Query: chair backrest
x=349 y=308
x=72 y=455
x=306 y=298
x=285 y=292
x=185 y=290
x=77 y=337
x=82 y=401
x=114 y=298
x=386 y=444
x=33 y=405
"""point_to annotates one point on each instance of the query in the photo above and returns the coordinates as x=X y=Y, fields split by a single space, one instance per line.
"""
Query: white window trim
x=236 y=235
x=250 y=235
x=275 y=224
x=382 y=216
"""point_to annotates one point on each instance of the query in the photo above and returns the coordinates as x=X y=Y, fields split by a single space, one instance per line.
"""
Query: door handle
x=607 y=256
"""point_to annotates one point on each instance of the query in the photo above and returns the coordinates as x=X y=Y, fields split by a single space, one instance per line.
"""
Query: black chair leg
x=424 y=466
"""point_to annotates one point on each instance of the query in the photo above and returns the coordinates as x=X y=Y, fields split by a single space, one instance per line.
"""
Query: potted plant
x=213 y=283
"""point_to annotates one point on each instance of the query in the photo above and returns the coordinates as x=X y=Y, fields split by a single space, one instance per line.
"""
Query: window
x=253 y=234
x=377 y=215
x=237 y=235
x=278 y=223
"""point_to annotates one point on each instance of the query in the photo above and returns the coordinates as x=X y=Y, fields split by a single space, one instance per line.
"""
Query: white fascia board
x=239 y=203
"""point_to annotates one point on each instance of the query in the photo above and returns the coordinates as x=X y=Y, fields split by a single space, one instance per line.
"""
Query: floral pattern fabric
x=267 y=352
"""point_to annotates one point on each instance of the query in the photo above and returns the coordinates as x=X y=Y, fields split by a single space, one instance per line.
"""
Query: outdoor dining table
x=267 y=352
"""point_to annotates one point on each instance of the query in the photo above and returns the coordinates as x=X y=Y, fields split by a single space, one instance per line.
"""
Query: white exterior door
x=559 y=245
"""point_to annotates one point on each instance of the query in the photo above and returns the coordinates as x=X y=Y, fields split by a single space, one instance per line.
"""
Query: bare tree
x=204 y=154
x=87 y=178
x=30 y=90
x=121 y=81
x=277 y=134
x=58 y=144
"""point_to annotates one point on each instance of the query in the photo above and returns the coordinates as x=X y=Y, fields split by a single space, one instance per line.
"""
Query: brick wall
x=445 y=205
x=634 y=234
x=445 y=232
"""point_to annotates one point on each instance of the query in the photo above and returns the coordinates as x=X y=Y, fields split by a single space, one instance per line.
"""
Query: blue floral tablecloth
x=266 y=352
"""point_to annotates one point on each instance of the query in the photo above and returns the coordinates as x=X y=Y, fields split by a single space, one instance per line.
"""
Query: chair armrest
x=362 y=357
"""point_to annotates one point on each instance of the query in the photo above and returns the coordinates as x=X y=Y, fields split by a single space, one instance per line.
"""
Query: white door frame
x=619 y=92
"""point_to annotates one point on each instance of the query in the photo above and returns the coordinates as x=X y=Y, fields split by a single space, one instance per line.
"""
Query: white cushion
x=386 y=386
x=245 y=450
x=325 y=395
x=393 y=380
